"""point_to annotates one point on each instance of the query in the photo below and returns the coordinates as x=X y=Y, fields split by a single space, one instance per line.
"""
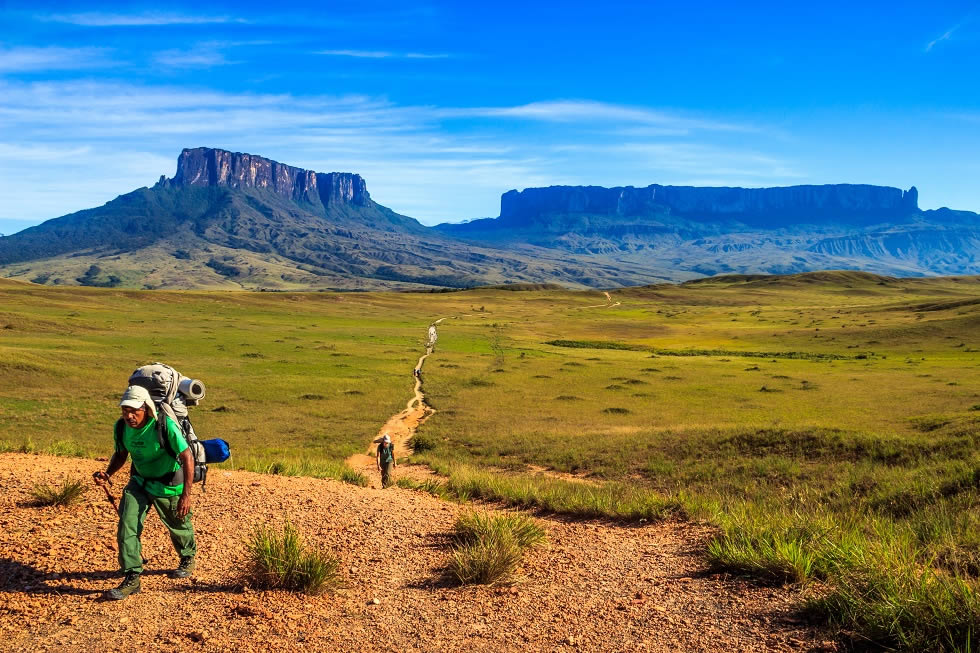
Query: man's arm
x=115 y=464
x=187 y=463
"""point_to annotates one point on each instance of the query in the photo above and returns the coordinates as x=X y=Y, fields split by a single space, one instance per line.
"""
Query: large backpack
x=172 y=393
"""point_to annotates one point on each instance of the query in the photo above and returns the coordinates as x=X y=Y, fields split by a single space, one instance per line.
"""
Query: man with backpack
x=386 y=460
x=162 y=475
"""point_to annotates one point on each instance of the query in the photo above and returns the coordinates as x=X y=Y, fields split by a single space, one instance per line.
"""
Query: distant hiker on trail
x=418 y=373
x=162 y=475
x=386 y=460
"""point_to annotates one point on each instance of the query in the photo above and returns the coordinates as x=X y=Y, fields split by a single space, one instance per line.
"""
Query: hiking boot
x=184 y=569
x=130 y=585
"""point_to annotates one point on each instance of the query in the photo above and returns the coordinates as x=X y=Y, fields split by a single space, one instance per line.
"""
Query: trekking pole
x=108 y=495
x=111 y=499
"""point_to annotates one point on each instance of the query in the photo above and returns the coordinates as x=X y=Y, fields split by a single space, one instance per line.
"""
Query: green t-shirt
x=387 y=453
x=151 y=460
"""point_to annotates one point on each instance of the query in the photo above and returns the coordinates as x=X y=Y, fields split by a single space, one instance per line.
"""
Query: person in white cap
x=162 y=476
x=386 y=460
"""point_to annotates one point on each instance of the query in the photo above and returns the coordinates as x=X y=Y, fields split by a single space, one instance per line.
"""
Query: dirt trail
x=594 y=587
x=609 y=302
x=401 y=426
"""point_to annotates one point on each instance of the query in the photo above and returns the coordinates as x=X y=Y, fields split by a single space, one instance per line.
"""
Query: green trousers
x=387 y=474
x=133 y=508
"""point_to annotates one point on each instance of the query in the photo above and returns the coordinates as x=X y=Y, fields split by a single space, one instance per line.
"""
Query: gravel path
x=594 y=587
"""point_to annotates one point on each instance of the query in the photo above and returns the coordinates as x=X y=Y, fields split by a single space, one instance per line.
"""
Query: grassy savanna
x=296 y=382
x=827 y=423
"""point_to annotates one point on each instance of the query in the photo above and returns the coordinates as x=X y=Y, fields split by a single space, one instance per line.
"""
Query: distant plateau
x=239 y=221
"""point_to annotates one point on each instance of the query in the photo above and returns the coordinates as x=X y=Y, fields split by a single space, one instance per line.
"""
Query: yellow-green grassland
x=826 y=423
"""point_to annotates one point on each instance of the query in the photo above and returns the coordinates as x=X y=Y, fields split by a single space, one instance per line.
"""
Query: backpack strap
x=163 y=436
x=118 y=430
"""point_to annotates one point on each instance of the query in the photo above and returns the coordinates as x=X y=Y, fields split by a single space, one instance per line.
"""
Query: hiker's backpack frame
x=172 y=393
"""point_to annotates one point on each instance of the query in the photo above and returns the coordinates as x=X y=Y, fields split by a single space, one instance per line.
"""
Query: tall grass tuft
x=612 y=500
x=473 y=526
x=281 y=560
x=487 y=548
x=909 y=609
x=491 y=560
x=66 y=494
x=779 y=558
x=305 y=467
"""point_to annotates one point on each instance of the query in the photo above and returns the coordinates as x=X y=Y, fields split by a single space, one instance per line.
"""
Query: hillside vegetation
x=828 y=423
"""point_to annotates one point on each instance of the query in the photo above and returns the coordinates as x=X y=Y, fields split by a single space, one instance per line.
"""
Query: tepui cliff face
x=756 y=207
x=203 y=166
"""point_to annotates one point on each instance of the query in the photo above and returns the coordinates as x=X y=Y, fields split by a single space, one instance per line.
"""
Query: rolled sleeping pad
x=215 y=450
x=191 y=388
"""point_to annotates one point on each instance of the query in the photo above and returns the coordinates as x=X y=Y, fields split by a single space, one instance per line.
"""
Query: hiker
x=162 y=475
x=386 y=460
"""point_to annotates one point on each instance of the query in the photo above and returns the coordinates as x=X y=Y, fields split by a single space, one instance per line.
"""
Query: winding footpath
x=596 y=586
x=403 y=425
x=609 y=302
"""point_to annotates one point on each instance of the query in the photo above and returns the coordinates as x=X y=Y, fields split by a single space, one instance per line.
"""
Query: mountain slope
x=704 y=231
x=232 y=220
x=236 y=220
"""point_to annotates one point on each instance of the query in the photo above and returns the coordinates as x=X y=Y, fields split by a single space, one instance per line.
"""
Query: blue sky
x=444 y=106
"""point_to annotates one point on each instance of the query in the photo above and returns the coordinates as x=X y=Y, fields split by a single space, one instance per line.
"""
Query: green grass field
x=828 y=423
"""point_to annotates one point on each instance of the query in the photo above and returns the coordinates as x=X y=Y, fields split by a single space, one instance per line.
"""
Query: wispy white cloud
x=30 y=59
x=197 y=58
x=100 y=19
x=945 y=37
x=434 y=163
x=948 y=34
x=381 y=54
x=572 y=111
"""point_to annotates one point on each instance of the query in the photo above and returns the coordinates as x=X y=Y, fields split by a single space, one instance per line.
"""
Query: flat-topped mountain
x=754 y=207
x=705 y=231
x=234 y=220
x=203 y=166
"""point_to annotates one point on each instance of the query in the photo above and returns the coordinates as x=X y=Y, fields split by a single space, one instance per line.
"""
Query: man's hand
x=183 y=506
x=101 y=477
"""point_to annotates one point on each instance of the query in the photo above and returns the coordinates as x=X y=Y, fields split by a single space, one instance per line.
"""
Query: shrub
x=491 y=560
x=354 y=477
x=780 y=558
x=283 y=561
x=488 y=548
x=66 y=494
x=419 y=443
x=474 y=526
x=616 y=411
x=904 y=608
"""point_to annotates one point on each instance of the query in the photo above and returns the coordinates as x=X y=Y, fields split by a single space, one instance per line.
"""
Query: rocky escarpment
x=204 y=166
x=854 y=204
